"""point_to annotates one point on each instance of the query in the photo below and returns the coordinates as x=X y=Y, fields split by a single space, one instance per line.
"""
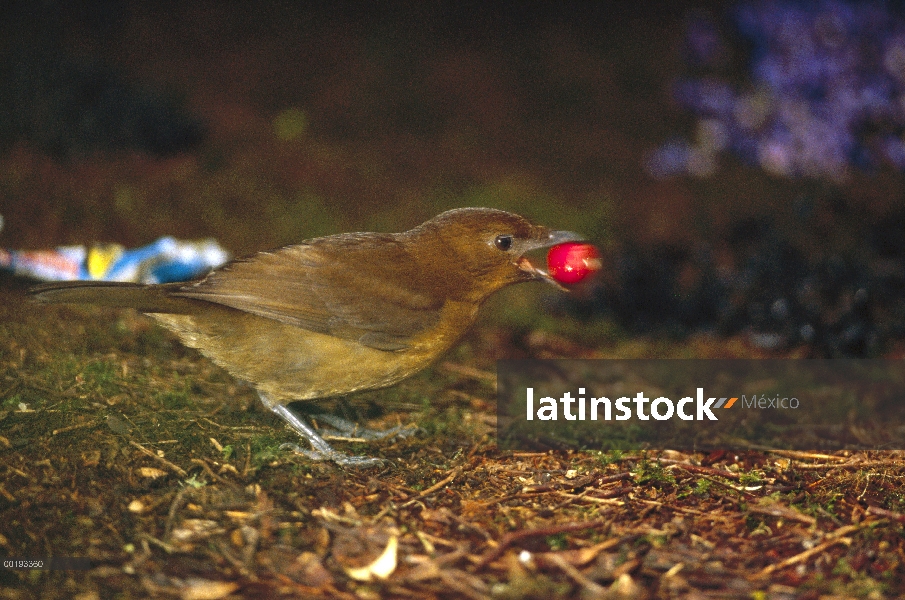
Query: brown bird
x=338 y=314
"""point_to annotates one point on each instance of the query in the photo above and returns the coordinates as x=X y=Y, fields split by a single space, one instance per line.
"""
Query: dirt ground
x=120 y=445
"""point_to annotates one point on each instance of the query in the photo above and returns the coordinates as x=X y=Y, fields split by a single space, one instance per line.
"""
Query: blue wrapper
x=162 y=261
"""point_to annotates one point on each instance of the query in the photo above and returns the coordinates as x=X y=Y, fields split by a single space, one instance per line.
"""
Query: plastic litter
x=163 y=261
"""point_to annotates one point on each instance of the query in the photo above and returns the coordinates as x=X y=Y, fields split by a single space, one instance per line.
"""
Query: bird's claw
x=346 y=430
x=340 y=458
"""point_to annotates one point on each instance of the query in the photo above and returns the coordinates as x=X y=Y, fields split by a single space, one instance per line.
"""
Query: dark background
x=127 y=121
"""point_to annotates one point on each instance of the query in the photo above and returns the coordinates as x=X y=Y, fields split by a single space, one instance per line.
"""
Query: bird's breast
x=289 y=363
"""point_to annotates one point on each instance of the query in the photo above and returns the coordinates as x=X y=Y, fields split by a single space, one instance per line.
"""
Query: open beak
x=551 y=239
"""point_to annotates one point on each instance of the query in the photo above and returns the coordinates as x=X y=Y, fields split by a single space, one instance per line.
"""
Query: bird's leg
x=320 y=449
x=345 y=429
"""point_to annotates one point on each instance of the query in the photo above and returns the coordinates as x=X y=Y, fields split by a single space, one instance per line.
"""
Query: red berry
x=571 y=262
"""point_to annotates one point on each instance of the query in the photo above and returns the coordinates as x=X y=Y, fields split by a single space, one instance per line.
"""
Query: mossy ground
x=122 y=446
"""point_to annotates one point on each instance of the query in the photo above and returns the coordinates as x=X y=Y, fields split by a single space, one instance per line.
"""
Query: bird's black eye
x=503 y=242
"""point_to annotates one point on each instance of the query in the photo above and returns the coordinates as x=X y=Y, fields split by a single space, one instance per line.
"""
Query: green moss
x=557 y=542
x=648 y=471
x=101 y=375
x=174 y=399
x=702 y=487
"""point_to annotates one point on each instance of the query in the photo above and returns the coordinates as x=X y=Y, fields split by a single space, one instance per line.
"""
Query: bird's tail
x=144 y=298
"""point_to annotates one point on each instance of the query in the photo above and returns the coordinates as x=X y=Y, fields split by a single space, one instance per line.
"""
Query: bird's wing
x=347 y=289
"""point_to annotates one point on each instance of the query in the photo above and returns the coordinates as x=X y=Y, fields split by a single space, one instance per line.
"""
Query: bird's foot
x=320 y=449
x=347 y=430
x=340 y=458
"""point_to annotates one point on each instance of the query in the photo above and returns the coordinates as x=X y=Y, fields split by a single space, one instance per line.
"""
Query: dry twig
x=176 y=468
x=514 y=536
x=833 y=538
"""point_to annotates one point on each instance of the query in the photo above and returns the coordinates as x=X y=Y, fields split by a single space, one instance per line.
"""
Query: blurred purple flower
x=825 y=80
x=669 y=159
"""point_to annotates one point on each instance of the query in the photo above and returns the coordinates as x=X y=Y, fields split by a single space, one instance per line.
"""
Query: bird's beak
x=551 y=238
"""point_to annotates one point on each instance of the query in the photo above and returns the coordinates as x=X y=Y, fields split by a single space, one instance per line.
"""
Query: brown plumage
x=338 y=314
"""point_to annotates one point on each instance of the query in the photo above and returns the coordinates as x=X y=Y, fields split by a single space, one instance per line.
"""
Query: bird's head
x=481 y=250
